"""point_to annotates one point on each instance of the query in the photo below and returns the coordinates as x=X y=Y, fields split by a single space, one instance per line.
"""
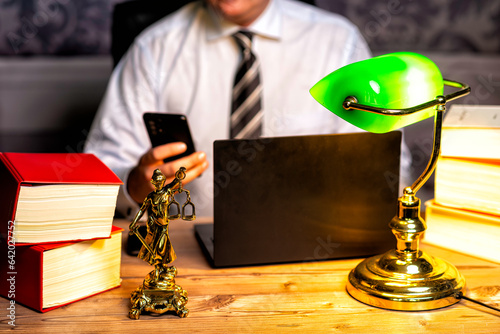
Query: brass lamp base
x=406 y=278
x=387 y=282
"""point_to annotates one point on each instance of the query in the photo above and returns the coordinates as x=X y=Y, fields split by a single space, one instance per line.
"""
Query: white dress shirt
x=186 y=63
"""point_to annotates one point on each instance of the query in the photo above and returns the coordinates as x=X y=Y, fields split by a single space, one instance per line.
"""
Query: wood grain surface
x=300 y=297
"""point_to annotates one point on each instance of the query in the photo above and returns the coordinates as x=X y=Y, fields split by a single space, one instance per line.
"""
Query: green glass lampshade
x=393 y=81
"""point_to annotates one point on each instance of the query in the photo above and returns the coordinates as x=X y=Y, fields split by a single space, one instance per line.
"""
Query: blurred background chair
x=131 y=17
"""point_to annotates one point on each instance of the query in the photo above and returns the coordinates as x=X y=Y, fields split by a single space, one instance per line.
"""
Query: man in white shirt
x=186 y=64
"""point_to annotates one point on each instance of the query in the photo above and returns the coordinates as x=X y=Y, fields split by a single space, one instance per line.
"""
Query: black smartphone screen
x=168 y=128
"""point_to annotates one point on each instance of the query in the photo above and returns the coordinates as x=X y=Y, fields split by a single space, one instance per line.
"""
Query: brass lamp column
x=379 y=95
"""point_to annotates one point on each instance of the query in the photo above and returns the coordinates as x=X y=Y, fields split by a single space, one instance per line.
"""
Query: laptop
x=302 y=198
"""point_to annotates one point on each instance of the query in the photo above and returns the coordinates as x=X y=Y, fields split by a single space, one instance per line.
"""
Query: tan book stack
x=465 y=213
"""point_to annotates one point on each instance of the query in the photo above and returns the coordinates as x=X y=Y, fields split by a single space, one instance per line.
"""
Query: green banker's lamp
x=380 y=95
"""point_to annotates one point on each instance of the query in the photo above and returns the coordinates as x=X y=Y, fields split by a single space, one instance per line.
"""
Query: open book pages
x=469 y=184
x=471 y=132
x=473 y=233
x=63 y=212
x=80 y=269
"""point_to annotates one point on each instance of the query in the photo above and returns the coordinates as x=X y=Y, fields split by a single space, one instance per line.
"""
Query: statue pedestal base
x=159 y=295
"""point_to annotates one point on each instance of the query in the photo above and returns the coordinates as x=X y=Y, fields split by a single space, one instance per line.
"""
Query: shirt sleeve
x=118 y=136
x=358 y=50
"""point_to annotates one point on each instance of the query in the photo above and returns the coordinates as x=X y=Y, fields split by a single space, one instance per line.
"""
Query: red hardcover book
x=55 y=197
x=44 y=277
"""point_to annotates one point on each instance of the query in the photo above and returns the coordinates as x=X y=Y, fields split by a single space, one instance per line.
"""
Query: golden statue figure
x=159 y=293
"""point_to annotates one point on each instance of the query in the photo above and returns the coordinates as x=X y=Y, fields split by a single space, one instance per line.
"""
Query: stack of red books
x=58 y=243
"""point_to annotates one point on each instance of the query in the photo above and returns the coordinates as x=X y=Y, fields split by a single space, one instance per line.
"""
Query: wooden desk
x=302 y=297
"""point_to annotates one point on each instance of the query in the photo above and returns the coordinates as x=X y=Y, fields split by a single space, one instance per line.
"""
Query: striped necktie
x=246 y=110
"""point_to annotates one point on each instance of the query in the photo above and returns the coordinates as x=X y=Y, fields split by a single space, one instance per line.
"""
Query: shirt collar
x=268 y=24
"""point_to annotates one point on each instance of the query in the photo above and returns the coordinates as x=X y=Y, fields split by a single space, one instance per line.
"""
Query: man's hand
x=139 y=180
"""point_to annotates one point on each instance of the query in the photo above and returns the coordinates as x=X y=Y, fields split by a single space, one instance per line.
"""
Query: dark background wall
x=65 y=27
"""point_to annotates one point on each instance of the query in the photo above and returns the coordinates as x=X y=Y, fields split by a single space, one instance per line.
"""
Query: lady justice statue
x=158 y=292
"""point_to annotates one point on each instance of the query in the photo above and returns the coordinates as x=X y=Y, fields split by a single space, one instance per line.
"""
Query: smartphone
x=168 y=128
x=162 y=129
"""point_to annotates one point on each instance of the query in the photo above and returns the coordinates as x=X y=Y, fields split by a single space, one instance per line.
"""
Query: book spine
x=13 y=170
x=10 y=181
x=22 y=280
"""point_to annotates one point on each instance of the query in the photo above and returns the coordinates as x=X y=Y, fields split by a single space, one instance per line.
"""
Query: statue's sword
x=141 y=239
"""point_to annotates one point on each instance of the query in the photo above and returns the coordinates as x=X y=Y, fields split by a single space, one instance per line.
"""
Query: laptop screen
x=304 y=198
